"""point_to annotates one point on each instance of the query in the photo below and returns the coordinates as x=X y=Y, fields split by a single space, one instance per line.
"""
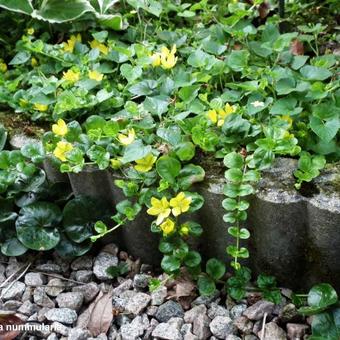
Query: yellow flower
x=95 y=75
x=156 y=59
x=145 y=164
x=127 y=139
x=184 y=231
x=212 y=115
x=34 y=62
x=60 y=129
x=101 y=47
x=62 y=149
x=228 y=109
x=168 y=59
x=30 y=31
x=115 y=164
x=180 y=204
x=168 y=226
x=159 y=208
x=69 y=45
x=3 y=67
x=218 y=116
x=40 y=107
x=71 y=76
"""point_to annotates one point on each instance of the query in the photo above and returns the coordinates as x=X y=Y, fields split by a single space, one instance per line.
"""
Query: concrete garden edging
x=294 y=236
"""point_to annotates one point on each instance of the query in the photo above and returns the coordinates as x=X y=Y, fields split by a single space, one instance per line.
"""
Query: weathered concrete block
x=94 y=183
x=53 y=174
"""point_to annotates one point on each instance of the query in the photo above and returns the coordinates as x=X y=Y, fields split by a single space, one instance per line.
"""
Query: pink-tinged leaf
x=297 y=48
x=7 y=319
x=101 y=315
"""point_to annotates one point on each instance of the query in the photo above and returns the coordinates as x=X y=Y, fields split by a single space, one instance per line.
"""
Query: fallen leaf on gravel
x=185 y=288
x=101 y=315
x=84 y=318
x=134 y=267
x=8 y=318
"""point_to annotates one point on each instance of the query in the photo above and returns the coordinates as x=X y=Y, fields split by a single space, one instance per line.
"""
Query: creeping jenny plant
x=151 y=106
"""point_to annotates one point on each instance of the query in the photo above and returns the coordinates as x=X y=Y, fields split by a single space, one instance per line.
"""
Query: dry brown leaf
x=185 y=288
x=296 y=47
x=263 y=10
x=134 y=267
x=8 y=318
x=84 y=318
x=101 y=315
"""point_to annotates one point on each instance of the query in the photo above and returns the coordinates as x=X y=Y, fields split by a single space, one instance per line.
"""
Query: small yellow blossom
x=95 y=75
x=101 y=47
x=159 y=208
x=156 y=59
x=168 y=59
x=180 y=204
x=34 y=62
x=218 y=116
x=60 y=129
x=71 y=76
x=40 y=107
x=62 y=149
x=145 y=164
x=30 y=31
x=184 y=230
x=69 y=45
x=168 y=226
x=115 y=164
x=3 y=66
x=127 y=139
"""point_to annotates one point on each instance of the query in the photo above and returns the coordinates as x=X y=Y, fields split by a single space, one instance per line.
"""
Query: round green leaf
x=215 y=268
x=170 y=264
x=192 y=259
x=13 y=247
x=39 y=215
x=233 y=160
x=185 y=151
x=165 y=247
x=168 y=168
x=80 y=215
x=67 y=248
x=322 y=295
x=206 y=285
x=38 y=238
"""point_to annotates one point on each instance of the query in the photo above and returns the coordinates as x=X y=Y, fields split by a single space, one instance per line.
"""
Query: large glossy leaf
x=320 y=297
x=168 y=168
x=36 y=226
x=13 y=247
x=40 y=214
x=67 y=248
x=58 y=11
x=326 y=326
x=80 y=215
x=21 y=6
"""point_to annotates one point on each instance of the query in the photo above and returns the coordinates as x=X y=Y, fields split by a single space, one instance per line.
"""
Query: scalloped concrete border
x=294 y=237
